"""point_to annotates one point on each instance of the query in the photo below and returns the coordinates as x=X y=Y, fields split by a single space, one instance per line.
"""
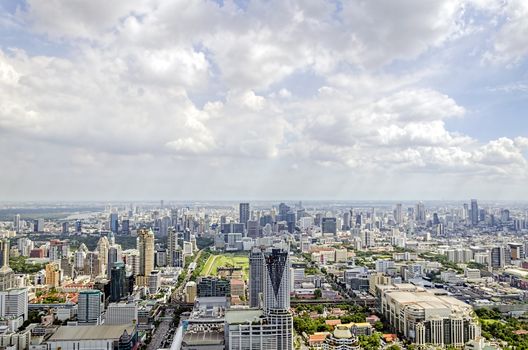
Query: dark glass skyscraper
x=329 y=225
x=256 y=276
x=114 y=223
x=112 y=259
x=118 y=282
x=244 y=213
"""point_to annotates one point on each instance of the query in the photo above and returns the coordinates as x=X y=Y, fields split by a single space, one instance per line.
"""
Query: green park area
x=225 y=260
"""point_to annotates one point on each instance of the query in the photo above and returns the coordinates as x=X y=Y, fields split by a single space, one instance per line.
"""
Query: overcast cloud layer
x=169 y=99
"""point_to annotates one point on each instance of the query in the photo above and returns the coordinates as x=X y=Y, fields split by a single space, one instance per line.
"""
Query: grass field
x=215 y=261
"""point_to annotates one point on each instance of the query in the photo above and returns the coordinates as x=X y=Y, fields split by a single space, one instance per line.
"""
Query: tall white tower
x=277 y=284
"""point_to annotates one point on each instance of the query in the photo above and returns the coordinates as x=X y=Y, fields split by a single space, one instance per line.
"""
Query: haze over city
x=142 y=100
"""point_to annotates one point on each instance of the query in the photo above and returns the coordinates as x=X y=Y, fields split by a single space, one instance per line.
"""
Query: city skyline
x=264 y=174
x=262 y=100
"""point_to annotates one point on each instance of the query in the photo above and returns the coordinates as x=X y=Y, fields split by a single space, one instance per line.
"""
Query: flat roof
x=242 y=316
x=205 y=337
x=91 y=332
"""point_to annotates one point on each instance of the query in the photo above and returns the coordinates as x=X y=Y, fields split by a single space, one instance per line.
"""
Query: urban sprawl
x=264 y=275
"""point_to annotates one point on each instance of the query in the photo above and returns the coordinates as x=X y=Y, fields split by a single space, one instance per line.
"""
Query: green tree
x=378 y=325
x=317 y=293
x=370 y=342
x=394 y=347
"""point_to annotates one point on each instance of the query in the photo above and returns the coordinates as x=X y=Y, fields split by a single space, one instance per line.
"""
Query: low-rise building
x=428 y=318
x=123 y=337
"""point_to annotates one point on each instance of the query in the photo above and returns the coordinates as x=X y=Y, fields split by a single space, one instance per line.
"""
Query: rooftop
x=242 y=316
x=91 y=332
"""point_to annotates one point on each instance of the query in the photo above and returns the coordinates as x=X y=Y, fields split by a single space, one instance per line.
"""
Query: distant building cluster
x=115 y=277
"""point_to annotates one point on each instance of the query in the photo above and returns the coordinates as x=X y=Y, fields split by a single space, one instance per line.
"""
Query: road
x=159 y=336
x=178 y=293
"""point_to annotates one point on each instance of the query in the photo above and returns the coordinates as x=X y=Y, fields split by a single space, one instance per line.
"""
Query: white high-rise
x=277 y=285
x=272 y=326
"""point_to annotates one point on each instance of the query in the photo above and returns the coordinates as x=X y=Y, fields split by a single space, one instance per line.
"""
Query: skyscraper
x=125 y=226
x=4 y=252
x=272 y=326
x=474 y=212
x=78 y=226
x=347 y=217
x=277 y=286
x=165 y=223
x=256 y=276
x=114 y=222
x=253 y=228
x=174 y=250
x=420 y=212
x=276 y=281
x=244 y=213
x=16 y=223
x=38 y=225
x=118 y=282
x=329 y=225
x=14 y=303
x=7 y=276
x=102 y=248
x=145 y=246
x=113 y=257
x=90 y=306
x=398 y=214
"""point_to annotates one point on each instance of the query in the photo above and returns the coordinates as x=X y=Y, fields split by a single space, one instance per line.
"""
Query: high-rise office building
x=113 y=257
x=90 y=306
x=4 y=252
x=329 y=225
x=256 y=276
x=14 y=303
x=114 y=222
x=277 y=285
x=474 y=212
x=274 y=328
x=276 y=281
x=164 y=224
x=65 y=227
x=283 y=210
x=102 y=248
x=125 y=226
x=174 y=250
x=118 y=282
x=78 y=226
x=38 y=225
x=7 y=276
x=16 y=223
x=420 y=212
x=145 y=246
x=347 y=217
x=253 y=228
x=244 y=213
x=398 y=214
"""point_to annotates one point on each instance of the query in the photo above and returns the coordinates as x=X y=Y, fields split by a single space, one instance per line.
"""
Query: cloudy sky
x=152 y=99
